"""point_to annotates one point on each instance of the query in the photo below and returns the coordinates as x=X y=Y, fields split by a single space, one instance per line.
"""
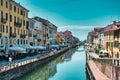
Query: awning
x=27 y=46
x=17 y=48
x=2 y=47
x=40 y=47
x=55 y=46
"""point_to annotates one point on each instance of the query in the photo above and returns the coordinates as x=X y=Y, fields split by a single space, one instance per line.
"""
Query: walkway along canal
x=71 y=65
x=8 y=72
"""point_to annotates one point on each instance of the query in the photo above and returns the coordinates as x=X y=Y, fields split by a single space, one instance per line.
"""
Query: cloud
x=76 y=27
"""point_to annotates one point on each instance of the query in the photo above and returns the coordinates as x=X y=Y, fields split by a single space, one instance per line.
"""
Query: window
x=3 y=28
x=14 y=18
x=10 y=29
x=18 y=10
x=6 y=29
x=24 y=31
x=21 y=21
x=21 y=41
x=24 y=22
x=10 y=6
x=116 y=44
x=26 y=14
x=21 y=31
x=6 y=4
x=1 y=14
x=18 y=19
x=27 y=24
x=21 y=12
x=18 y=41
x=2 y=41
x=18 y=32
x=6 y=16
x=10 y=18
x=1 y=2
x=14 y=30
x=14 y=8
x=26 y=42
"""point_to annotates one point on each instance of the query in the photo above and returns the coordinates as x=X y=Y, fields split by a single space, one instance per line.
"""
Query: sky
x=79 y=16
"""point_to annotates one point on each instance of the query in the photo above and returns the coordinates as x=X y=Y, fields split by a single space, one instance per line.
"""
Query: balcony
x=22 y=35
x=17 y=24
x=29 y=35
x=13 y=35
x=3 y=20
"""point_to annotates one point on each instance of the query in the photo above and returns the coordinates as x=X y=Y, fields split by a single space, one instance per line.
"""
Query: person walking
x=10 y=60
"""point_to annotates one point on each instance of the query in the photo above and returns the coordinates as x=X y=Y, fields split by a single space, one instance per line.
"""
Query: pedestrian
x=10 y=60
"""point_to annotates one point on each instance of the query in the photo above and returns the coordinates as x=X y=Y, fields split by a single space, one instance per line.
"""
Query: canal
x=69 y=66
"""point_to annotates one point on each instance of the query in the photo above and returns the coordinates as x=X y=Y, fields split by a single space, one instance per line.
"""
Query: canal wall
x=112 y=72
x=19 y=69
x=102 y=68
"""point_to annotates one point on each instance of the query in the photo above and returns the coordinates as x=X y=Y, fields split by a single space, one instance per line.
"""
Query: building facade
x=31 y=32
x=48 y=31
x=13 y=23
x=112 y=39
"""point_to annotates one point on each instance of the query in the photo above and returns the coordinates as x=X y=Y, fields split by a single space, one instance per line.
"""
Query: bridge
x=102 y=68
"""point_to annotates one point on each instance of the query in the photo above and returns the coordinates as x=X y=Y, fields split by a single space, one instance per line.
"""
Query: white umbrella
x=103 y=51
x=39 y=47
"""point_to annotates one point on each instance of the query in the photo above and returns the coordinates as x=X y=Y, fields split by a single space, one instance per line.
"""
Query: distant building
x=68 y=36
x=48 y=31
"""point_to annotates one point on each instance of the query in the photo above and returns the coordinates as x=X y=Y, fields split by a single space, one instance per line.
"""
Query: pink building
x=68 y=36
x=68 y=33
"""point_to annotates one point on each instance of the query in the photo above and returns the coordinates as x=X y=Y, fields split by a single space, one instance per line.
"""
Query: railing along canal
x=8 y=66
x=110 y=61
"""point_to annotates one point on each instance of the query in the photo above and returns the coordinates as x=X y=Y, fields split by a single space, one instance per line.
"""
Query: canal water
x=71 y=65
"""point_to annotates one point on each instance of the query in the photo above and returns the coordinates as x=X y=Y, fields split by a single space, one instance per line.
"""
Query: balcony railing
x=3 y=20
x=13 y=35
x=22 y=35
x=29 y=35
x=17 y=24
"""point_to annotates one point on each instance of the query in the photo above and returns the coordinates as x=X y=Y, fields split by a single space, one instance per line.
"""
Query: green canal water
x=69 y=66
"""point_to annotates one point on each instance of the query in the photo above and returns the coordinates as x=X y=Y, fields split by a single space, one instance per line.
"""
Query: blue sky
x=79 y=16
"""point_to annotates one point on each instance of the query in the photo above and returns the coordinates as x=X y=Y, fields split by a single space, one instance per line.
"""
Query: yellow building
x=112 y=39
x=13 y=22
x=109 y=41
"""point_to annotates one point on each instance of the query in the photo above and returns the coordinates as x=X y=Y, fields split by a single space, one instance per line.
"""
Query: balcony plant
x=22 y=35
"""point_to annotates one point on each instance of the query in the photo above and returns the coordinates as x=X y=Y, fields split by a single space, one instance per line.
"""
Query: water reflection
x=48 y=70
